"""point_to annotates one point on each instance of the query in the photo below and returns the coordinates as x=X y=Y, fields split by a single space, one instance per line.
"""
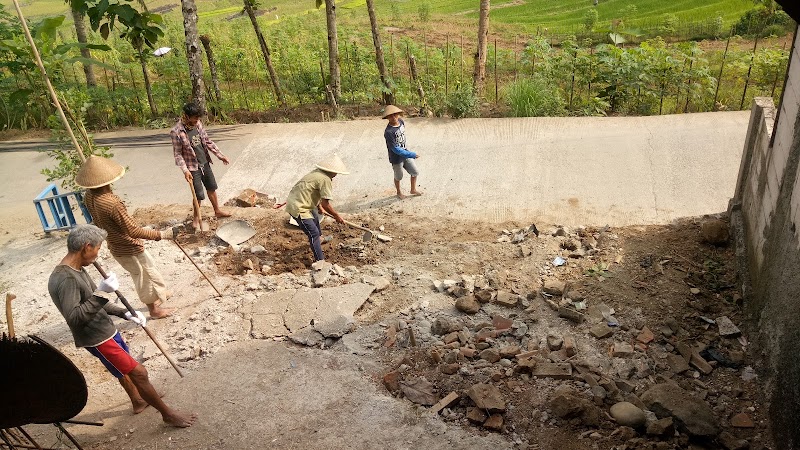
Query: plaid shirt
x=182 y=149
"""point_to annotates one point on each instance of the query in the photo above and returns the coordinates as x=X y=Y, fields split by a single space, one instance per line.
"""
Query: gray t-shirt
x=197 y=144
x=87 y=314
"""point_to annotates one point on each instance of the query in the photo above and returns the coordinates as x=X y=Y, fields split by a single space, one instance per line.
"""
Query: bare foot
x=401 y=196
x=220 y=214
x=179 y=419
x=416 y=193
x=160 y=313
x=195 y=226
x=140 y=405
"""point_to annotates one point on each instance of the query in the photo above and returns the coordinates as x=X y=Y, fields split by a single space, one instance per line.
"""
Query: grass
x=564 y=15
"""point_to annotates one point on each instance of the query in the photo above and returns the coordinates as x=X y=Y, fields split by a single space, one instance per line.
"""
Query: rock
x=559 y=371
x=483 y=295
x=501 y=323
x=257 y=249
x=444 y=403
x=392 y=381
x=554 y=342
x=727 y=328
x=622 y=350
x=570 y=346
x=380 y=283
x=307 y=336
x=570 y=314
x=507 y=299
x=438 y=285
x=468 y=304
x=494 y=422
x=509 y=351
x=701 y=364
x=476 y=415
x=449 y=369
x=248 y=198
x=554 y=287
x=383 y=237
x=487 y=397
x=646 y=336
x=714 y=232
x=565 y=403
x=742 y=420
x=490 y=355
x=661 y=427
x=419 y=391
x=321 y=276
x=627 y=414
x=444 y=325
x=731 y=442
x=467 y=352
x=601 y=331
x=691 y=415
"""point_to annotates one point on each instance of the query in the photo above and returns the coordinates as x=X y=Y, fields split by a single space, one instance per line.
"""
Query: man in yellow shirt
x=311 y=196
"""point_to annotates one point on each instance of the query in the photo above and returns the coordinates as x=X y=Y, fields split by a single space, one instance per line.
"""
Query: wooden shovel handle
x=9 y=315
x=196 y=203
x=349 y=223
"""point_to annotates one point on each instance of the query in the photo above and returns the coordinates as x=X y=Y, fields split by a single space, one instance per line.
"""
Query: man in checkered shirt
x=192 y=149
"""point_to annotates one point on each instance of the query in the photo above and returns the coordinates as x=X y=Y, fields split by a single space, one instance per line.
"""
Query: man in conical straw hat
x=124 y=234
x=311 y=196
x=399 y=155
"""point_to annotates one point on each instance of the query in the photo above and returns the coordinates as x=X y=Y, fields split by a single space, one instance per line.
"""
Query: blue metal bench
x=60 y=208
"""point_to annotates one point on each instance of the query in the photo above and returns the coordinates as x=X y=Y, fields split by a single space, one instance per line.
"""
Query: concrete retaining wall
x=765 y=212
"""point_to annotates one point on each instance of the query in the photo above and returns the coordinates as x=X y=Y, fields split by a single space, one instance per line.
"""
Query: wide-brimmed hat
x=391 y=109
x=97 y=171
x=333 y=164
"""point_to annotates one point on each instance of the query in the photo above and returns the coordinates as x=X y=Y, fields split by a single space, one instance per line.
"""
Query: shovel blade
x=367 y=237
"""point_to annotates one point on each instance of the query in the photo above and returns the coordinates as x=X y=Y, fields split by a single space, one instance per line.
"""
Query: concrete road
x=617 y=171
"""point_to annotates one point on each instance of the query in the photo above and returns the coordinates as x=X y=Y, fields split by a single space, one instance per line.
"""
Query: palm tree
x=388 y=94
x=480 y=57
x=249 y=7
x=333 y=49
x=189 y=10
x=80 y=31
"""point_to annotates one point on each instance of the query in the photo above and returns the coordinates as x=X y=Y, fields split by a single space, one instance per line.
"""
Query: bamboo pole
x=38 y=59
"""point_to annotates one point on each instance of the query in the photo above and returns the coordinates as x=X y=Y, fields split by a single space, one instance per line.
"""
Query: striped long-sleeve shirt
x=182 y=149
x=124 y=234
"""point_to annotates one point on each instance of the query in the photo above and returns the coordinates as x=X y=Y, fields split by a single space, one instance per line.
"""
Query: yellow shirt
x=307 y=193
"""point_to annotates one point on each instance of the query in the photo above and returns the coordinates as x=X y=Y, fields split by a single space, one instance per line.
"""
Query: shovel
x=203 y=225
x=367 y=232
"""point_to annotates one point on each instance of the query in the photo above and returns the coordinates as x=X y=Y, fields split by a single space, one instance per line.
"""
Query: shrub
x=462 y=103
x=535 y=97
x=668 y=24
x=590 y=19
x=761 y=22
x=424 y=12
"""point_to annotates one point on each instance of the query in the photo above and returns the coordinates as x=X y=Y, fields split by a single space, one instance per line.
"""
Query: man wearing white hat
x=399 y=156
x=311 y=196
x=124 y=234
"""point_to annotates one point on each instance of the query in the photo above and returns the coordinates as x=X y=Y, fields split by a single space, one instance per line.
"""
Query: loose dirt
x=651 y=276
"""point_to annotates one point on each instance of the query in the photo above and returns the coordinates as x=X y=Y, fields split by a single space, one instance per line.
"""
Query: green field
x=530 y=15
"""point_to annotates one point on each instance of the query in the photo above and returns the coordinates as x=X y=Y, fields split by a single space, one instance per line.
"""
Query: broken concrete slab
x=487 y=397
x=266 y=326
x=302 y=310
x=306 y=336
x=337 y=306
x=558 y=371
x=727 y=328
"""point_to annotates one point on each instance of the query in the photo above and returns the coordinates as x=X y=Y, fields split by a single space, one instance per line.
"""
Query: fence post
x=749 y=71
x=447 y=65
x=721 y=66
x=496 y=91
x=461 y=57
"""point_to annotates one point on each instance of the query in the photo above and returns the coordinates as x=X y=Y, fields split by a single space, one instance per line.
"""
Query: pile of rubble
x=607 y=371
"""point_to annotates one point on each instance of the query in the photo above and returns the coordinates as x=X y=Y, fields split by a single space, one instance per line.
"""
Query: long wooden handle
x=133 y=312
x=198 y=268
x=196 y=204
x=9 y=315
x=349 y=223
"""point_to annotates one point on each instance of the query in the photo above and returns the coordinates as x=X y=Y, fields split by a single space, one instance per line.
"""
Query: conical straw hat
x=391 y=109
x=333 y=164
x=97 y=171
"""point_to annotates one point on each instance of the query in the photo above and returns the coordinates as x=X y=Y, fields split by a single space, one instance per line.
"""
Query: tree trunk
x=143 y=5
x=479 y=76
x=388 y=94
x=248 y=7
x=147 y=87
x=193 y=52
x=80 y=31
x=212 y=65
x=333 y=49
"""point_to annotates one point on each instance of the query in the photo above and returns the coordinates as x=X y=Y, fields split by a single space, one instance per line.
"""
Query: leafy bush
x=535 y=97
x=668 y=24
x=462 y=103
x=424 y=12
x=590 y=19
x=761 y=22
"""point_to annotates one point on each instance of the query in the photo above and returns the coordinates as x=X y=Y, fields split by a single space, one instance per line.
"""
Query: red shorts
x=114 y=354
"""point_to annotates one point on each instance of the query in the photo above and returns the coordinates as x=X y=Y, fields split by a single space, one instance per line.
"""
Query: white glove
x=138 y=319
x=168 y=233
x=109 y=284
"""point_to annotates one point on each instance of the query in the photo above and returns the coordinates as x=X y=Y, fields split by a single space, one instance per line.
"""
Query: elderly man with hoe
x=311 y=196
x=124 y=234
x=87 y=310
x=191 y=146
